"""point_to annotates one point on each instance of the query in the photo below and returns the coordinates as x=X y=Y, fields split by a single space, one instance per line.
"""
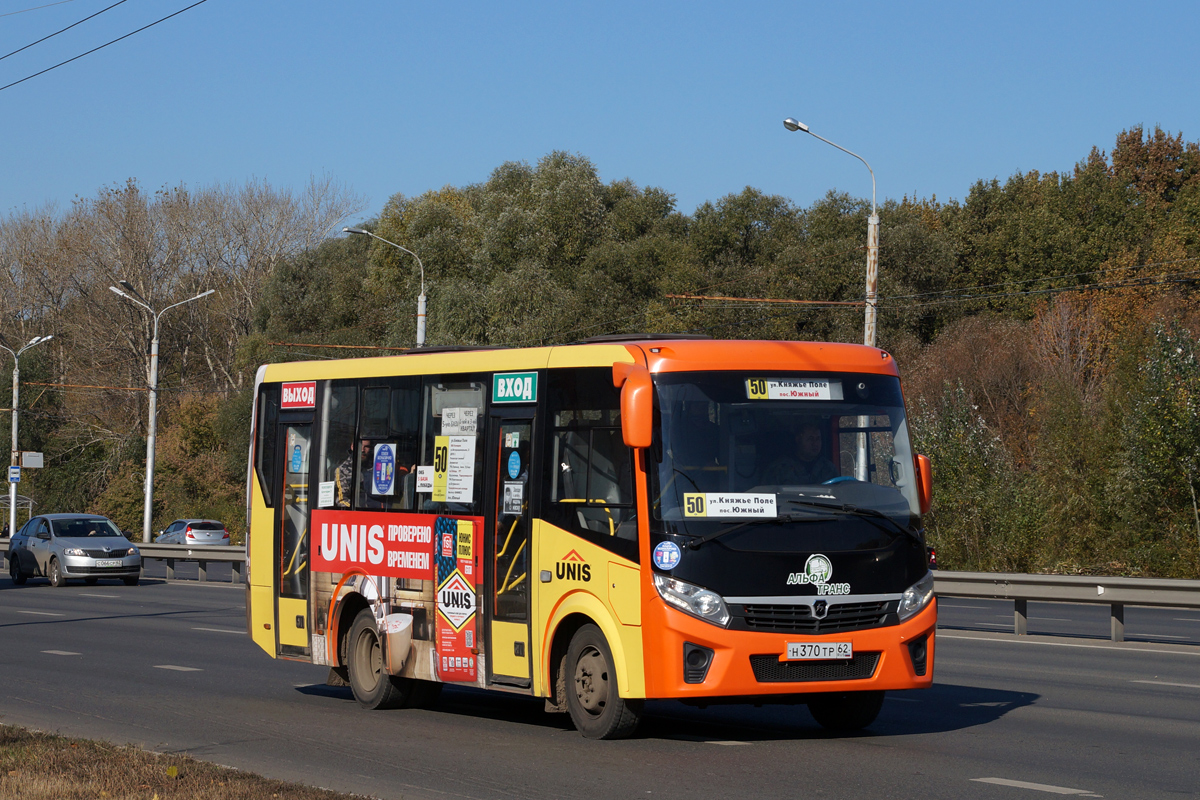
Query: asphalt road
x=169 y=667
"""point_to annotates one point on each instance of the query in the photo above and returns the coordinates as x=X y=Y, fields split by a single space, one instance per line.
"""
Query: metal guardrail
x=1116 y=593
x=234 y=555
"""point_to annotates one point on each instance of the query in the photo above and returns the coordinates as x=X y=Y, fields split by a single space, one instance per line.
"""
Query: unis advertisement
x=420 y=572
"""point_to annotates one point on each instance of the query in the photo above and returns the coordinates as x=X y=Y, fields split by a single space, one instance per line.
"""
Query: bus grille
x=799 y=619
x=769 y=669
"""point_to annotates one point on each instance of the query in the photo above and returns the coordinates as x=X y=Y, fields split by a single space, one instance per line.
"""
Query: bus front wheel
x=845 y=711
x=593 y=701
x=372 y=686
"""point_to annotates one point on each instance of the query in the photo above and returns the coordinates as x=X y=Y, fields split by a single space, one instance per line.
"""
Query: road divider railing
x=234 y=555
x=1116 y=593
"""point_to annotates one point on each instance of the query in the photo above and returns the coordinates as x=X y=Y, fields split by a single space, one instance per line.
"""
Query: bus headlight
x=916 y=597
x=694 y=600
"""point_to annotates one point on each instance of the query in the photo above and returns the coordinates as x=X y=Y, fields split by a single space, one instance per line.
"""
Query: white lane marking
x=1166 y=683
x=974 y=608
x=996 y=624
x=1041 y=619
x=1038 y=787
x=178 y=669
x=105 y=596
x=1187 y=619
x=60 y=652
x=1114 y=647
x=730 y=744
x=42 y=613
x=219 y=630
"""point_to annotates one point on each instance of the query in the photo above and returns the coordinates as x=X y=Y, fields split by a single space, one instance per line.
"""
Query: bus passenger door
x=291 y=542
x=508 y=509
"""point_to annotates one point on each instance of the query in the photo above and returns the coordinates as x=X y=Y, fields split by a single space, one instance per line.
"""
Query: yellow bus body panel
x=504 y=659
x=261 y=558
x=293 y=621
x=567 y=592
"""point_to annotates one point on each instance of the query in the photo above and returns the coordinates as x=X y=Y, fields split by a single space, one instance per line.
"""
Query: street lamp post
x=16 y=396
x=132 y=296
x=420 y=297
x=793 y=125
x=872 y=236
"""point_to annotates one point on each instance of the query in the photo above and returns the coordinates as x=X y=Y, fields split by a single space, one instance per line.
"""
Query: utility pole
x=152 y=426
x=16 y=402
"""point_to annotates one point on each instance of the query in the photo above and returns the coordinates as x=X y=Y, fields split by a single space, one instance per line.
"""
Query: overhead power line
x=101 y=47
x=56 y=33
x=36 y=8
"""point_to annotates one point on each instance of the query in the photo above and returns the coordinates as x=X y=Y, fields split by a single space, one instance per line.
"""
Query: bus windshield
x=746 y=446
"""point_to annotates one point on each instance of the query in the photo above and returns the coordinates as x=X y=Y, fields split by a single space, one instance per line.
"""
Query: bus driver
x=807 y=466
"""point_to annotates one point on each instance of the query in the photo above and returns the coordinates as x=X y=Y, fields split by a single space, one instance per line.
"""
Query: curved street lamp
x=132 y=296
x=872 y=236
x=420 y=297
x=16 y=395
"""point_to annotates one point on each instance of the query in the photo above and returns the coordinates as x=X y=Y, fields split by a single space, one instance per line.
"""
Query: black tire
x=846 y=711
x=54 y=573
x=132 y=580
x=14 y=571
x=90 y=581
x=593 y=698
x=372 y=687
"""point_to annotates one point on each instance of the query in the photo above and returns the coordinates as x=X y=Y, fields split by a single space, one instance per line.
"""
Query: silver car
x=62 y=546
x=193 y=531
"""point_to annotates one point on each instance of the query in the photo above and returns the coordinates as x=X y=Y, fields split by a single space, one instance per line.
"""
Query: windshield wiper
x=870 y=514
x=694 y=544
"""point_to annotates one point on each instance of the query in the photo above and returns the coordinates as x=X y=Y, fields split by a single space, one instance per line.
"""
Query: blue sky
x=393 y=97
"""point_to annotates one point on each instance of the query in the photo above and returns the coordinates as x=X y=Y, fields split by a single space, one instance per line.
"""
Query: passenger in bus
x=808 y=465
x=345 y=475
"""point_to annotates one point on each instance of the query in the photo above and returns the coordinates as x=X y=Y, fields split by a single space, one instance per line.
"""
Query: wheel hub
x=591 y=681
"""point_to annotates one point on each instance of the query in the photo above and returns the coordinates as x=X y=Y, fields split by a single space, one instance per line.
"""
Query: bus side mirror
x=637 y=403
x=924 y=483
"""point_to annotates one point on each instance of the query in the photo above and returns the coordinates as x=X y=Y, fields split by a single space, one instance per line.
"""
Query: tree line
x=1045 y=325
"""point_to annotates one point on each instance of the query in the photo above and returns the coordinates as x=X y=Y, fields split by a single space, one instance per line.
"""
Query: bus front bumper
x=698 y=660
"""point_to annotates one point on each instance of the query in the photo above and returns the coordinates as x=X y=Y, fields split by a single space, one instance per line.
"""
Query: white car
x=194 y=531
x=62 y=546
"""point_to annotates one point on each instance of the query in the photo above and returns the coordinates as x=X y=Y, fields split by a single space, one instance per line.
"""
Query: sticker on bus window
x=460 y=421
x=793 y=389
x=514 y=494
x=718 y=504
x=383 y=475
x=453 y=469
x=325 y=494
x=424 y=479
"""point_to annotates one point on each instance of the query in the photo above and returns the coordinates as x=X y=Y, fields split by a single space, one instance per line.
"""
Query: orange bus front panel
x=750 y=663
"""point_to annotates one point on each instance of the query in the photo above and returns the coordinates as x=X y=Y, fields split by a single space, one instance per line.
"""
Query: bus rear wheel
x=845 y=711
x=372 y=686
x=593 y=700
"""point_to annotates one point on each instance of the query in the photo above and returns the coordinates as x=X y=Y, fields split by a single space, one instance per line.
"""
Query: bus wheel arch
x=348 y=609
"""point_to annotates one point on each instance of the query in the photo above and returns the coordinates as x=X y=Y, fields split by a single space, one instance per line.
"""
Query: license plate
x=108 y=563
x=819 y=651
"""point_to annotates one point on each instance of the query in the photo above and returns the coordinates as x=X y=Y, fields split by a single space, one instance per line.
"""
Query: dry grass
x=42 y=766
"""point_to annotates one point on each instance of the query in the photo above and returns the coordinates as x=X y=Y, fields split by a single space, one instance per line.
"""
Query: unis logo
x=514 y=387
x=817 y=571
x=572 y=567
x=456 y=600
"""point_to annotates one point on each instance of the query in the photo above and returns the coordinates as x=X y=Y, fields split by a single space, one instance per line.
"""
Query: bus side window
x=265 y=457
x=338 y=419
x=454 y=415
x=590 y=470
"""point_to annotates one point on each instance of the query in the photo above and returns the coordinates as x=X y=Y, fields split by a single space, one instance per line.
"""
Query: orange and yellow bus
x=597 y=524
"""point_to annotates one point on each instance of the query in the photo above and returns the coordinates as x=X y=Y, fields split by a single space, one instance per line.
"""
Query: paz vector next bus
x=597 y=524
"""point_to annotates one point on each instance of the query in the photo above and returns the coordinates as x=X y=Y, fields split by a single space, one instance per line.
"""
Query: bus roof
x=666 y=354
